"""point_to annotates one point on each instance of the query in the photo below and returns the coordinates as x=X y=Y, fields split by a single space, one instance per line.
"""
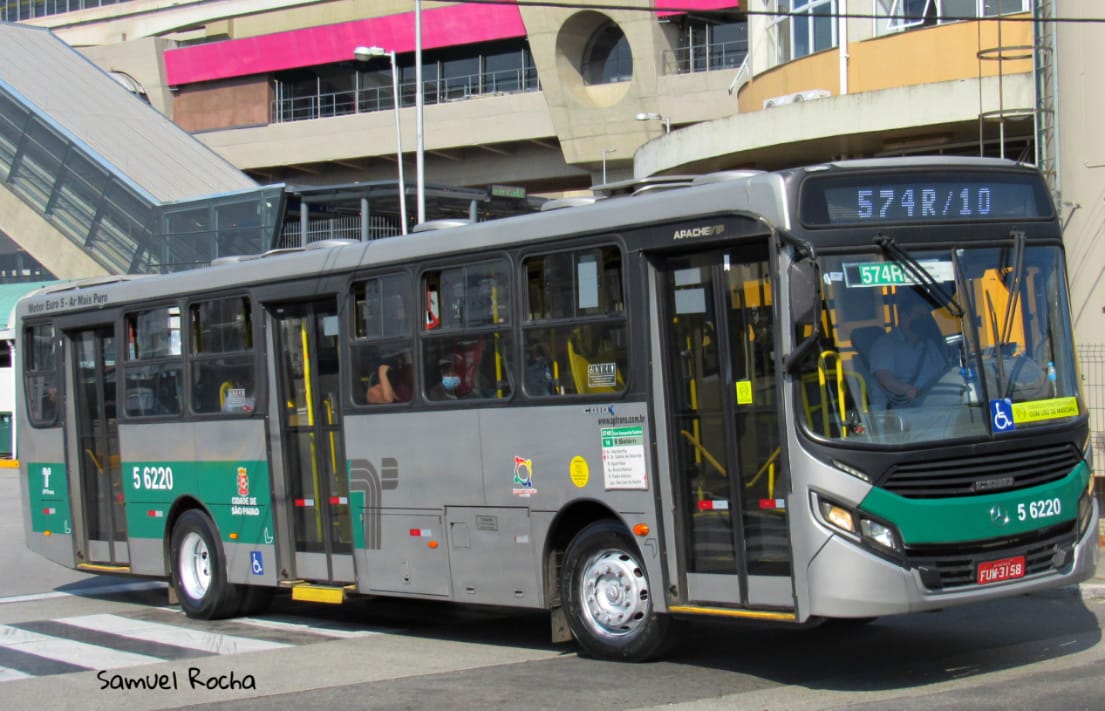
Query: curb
x=1094 y=590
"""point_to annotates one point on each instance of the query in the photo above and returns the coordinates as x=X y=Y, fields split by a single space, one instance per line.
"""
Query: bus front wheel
x=606 y=596
x=199 y=568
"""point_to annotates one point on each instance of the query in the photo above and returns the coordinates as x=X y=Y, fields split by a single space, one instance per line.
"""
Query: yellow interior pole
x=304 y=342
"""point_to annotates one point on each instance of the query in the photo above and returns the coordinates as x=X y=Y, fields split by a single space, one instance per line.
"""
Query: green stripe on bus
x=235 y=492
x=975 y=518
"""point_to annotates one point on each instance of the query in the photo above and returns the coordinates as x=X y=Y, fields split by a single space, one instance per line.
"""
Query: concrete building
x=556 y=97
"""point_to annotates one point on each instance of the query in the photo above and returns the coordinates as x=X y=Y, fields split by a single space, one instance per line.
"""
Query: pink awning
x=441 y=27
x=676 y=7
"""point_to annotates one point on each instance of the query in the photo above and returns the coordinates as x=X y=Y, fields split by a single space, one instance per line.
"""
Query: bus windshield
x=934 y=345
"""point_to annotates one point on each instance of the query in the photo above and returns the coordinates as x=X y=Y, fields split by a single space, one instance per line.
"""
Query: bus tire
x=606 y=596
x=199 y=568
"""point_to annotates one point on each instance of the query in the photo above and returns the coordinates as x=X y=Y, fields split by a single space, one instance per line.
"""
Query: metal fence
x=324 y=104
x=705 y=57
x=341 y=227
x=1092 y=359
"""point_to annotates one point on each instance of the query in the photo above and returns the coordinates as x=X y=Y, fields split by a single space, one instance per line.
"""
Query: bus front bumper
x=845 y=580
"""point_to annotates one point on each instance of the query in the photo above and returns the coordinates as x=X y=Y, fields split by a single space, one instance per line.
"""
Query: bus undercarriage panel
x=412 y=558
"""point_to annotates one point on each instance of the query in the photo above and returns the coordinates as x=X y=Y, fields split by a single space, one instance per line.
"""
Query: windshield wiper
x=1015 y=287
x=933 y=289
x=1005 y=385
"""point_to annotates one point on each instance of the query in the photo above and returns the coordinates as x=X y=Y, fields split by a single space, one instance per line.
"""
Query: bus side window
x=473 y=335
x=564 y=357
x=153 y=367
x=381 y=363
x=224 y=375
x=40 y=375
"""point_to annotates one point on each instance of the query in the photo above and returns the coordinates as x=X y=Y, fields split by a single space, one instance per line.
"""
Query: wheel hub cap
x=614 y=593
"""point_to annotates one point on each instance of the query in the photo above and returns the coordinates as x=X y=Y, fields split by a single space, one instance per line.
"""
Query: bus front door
x=316 y=483
x=728 y=475
x=102 y=504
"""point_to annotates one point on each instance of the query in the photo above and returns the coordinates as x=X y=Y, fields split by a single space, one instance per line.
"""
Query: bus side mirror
x=804 y=295
x=805 y=301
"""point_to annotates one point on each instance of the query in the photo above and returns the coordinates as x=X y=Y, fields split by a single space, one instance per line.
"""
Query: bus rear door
x=727 y=472
x=102 y=534
x=316 y=484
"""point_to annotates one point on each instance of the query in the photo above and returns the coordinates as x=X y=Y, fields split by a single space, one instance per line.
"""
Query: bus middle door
x=316 y=483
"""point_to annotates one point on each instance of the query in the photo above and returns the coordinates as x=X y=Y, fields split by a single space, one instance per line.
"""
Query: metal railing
x=379 y=98
x=705 y=57
x=342 y=227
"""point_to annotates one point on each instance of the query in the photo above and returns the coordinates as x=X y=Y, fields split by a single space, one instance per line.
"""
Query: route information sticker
x=623 y=458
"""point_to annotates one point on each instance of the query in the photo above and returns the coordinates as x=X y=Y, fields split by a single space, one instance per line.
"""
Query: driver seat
x=863 y=341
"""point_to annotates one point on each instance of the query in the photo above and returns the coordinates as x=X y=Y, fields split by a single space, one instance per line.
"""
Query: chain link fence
x=1091 y=357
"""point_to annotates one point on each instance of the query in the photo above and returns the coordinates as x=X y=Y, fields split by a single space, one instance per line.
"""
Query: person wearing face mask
x=446 y=388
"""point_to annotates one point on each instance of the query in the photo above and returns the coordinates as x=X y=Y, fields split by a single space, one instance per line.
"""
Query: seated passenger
x=446 y=387
x=392 y=385
x=539 y=375
x=908 y=359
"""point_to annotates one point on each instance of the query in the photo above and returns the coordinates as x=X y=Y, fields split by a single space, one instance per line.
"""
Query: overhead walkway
x=95 y=181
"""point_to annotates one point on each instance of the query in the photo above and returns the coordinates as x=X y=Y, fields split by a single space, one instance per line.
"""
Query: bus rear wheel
x=199 y=568
x=607 y=598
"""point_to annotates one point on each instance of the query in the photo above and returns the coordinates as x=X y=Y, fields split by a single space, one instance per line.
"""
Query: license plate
x=994 y=571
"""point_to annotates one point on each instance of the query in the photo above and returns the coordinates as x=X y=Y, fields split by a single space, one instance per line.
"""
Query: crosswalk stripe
x=88 y=656
x=210 y=642
x=33 y=665
x=11 y=674
x=110 y=640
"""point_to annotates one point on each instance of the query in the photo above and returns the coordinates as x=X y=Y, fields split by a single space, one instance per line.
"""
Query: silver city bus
x=840 y=391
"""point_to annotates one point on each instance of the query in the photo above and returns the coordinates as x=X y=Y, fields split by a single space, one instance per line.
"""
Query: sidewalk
x=1095 y=586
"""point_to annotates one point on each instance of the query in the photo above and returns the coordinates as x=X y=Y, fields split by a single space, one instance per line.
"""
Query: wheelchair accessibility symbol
x=256 y=562
x=1001 y=415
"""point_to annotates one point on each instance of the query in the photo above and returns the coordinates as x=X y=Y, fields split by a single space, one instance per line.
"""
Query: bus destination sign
x=875 y=274
x=854 y=200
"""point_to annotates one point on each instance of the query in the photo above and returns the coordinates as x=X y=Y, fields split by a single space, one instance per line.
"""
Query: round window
x=607 y=58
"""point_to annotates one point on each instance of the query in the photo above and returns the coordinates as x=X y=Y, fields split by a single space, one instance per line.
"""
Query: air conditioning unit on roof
x=812 y=94
x=798 y=96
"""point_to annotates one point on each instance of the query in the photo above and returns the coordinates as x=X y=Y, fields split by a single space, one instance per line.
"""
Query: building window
x=897 y=15
x=802 y=27
x=706 y=45
x=17 y=10
x=607 y=58
x=449 y=74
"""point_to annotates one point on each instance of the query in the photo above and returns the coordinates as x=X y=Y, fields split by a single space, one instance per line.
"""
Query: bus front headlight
x=837 y=515
x=876 y=534
x=879 y=534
